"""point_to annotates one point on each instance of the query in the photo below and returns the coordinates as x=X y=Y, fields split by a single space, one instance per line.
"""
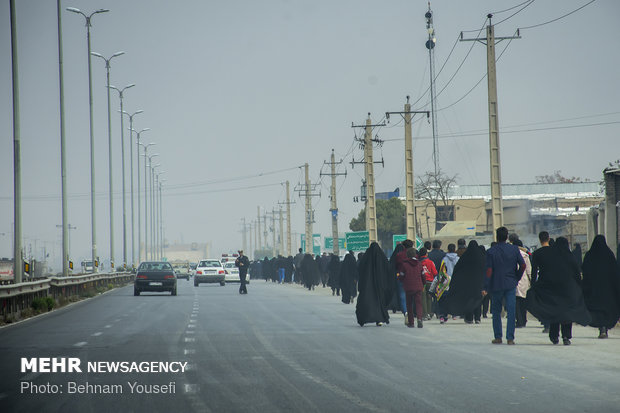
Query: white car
x=232 y=272
x=209 y=271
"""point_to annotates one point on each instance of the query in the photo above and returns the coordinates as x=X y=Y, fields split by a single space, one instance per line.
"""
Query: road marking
x=189 y=339
x=190 y=366
x=191 y=326
x=189 y=351
x=98 y=333
x=108 y=326
x=80 y=344
x=191 y=388
x=190 y=332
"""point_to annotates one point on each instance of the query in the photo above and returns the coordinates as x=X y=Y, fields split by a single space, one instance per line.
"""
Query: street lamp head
x=139 y=111
x=74 y=10
x=101 y=11
x=128 y=86
x=97 y=54
x=117 y=54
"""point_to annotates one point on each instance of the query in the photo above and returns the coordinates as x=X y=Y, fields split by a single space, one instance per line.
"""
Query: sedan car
x=181 y=272
x=232 y=272
x=210 y=271
x=155 y=276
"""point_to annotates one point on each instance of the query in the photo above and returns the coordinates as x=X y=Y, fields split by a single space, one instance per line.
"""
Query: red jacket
x=412 y=276
x=429 y=269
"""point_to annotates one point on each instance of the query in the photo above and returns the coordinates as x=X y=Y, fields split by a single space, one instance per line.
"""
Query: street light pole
x=157 y=219
x=92 y=134
x=146 y=206
x=133 y=241
x=107 y=68
x=120 y=97
x=138 y=191
x=153 y=208
x=161 y=222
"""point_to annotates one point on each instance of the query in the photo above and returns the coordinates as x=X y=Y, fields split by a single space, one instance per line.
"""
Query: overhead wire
x=515 y=13
x=557 y=18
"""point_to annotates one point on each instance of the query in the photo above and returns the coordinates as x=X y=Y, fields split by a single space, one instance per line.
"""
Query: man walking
x=243 y=263
x=502 y=277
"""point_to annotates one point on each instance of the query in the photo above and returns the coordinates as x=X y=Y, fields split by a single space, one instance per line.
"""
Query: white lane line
x=191 y=388
x=189 y=351
x=190 y=332
x=108 y=326
x=191 y=326
x=189 y=339
x=98 y=333
x=80 y=344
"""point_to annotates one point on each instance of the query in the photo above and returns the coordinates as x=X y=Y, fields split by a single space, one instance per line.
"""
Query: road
x=283 y=348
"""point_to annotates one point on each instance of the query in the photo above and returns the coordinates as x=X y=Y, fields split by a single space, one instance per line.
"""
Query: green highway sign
x=357 y=241
x=329 y=243
x=316 y=244
x=398 y=238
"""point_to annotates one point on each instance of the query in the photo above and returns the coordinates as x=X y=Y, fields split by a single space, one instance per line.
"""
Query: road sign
x=329 y=243
x=316 y=244
x=397 y=238
x=357 y=241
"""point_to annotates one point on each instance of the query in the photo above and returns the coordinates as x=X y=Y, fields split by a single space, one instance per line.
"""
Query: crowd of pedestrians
x=552 y=283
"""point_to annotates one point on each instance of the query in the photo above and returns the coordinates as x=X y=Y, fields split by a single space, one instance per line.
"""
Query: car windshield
x=155 y=266
x=209 y=264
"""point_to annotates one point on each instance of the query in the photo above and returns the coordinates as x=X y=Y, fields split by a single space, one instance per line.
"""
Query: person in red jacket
x=413 y=280
x=430 y=271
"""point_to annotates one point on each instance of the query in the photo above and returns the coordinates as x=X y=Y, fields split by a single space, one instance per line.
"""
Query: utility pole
x=409 y=190
x=369 y=174
x=430 y=45
x=334 y=206
x=244 y=243
x=265 y=232
x=288 y=220
x=307 y=190
x=281 y=232
x=258 y=229
x=496 y=179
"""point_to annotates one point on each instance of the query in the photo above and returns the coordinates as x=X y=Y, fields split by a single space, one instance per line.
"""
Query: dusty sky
x=238 y=94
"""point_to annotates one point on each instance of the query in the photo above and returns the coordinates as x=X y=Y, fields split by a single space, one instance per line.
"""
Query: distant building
x=603 y=217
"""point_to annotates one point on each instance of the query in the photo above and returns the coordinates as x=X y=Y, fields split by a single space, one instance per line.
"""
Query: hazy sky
x=235 y=90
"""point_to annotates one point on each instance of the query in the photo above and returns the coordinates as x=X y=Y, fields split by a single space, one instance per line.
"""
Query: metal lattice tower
x=430 y=45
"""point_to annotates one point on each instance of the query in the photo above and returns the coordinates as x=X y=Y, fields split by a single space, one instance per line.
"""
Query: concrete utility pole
x=289 y=247
x=265 y=231
x=307 y=190
x=369 y=175
x=18 y=260
x=273 y=231
x=334 y=205
x=496 y=178
x=409 y=190
x=281 y=243
x=251 y=250
x=260 y=247
x=244 y=243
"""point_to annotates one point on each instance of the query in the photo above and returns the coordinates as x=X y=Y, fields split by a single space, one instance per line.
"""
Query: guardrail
x=15 y=298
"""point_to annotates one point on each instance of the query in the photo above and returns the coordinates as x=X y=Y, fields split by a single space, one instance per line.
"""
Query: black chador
x=601 y=285
x=556 y=297
x=333 y=270
x=394 y=303
x=375 y=287
x=467 y=283
x=348 y=278
x=310 y=271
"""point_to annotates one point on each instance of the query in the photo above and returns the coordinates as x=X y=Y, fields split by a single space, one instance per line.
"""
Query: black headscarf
x=348 y=278
x=467 y=283
x=556 y=297
x=601 y=284
x=375 y=287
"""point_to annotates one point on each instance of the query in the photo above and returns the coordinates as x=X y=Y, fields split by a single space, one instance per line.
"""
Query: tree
x=434 y=188
x=557 y=178
x=390 y=220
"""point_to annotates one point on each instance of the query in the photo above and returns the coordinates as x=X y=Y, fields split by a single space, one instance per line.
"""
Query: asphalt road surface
x=282 y=348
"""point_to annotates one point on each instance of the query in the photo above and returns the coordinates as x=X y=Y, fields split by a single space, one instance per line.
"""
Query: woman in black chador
x=601 y=286
x=333 y=270
x=556 y=297
x=465 y=295
x=375 y=287
x=348 y=278
x=310 y=271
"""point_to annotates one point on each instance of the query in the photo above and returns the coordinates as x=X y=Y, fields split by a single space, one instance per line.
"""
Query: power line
x=515 y=13
x=557 y=18
x=226 y=180
x=512 y=8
